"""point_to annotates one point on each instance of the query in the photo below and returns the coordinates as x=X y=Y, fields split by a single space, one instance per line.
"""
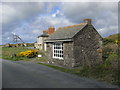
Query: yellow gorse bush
x=28 y=53
x=117 y=41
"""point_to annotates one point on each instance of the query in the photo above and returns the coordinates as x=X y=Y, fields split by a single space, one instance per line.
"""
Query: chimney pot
x=51 y=30
x=45 y=32
x=88 y=21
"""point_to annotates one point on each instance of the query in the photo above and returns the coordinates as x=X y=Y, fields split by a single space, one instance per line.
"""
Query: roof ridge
x=72 y=25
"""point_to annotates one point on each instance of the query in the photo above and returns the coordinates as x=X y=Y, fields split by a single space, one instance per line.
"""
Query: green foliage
x=62 y=69
x=42 y=53
x=110 y=64
x=29 y=53
x=111 y=39
x=114 y=37
x=107 y=41
x=30 y=44
x=109 y=49
x=9 y=53
x=42 y=59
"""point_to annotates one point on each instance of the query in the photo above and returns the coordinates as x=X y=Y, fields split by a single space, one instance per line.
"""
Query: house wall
x=44 y=44
x=37 y=45
x=40 y=43
x=87 y=47
x=68 y=58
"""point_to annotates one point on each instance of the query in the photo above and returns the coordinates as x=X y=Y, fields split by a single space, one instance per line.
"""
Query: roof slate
x=66 y=32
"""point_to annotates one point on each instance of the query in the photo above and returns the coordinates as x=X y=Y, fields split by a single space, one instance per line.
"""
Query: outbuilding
x=40 y=39
x=76 y=45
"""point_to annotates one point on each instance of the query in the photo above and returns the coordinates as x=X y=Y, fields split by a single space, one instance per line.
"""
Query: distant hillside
x=113 y=37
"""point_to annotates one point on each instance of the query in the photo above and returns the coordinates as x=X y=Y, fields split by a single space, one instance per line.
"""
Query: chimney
x=45 y=32
x=51 y=30
x=88 y=21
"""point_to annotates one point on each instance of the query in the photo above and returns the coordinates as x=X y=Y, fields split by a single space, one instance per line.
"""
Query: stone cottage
x=40 y=39
x=76 y=45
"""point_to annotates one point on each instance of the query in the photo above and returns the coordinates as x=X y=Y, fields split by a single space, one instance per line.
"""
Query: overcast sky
x=29 y=19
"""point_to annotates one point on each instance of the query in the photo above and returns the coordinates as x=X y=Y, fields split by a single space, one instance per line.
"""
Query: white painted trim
x=57 y=50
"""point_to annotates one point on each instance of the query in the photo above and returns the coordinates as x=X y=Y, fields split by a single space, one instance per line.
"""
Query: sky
x=29 y=19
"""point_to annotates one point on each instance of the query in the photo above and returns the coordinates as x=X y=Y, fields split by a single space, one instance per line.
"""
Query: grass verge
x=42 y=59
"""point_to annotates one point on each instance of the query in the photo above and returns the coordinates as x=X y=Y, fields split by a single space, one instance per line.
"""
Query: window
x=58 y=50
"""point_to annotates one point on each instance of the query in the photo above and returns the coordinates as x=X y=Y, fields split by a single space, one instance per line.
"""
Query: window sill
x=57 y=58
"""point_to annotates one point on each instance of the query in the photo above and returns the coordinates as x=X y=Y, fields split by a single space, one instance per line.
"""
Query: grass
x=8 y=53
x=0 y=52
x=73 y=71
x=42 y=59
x=114 y=37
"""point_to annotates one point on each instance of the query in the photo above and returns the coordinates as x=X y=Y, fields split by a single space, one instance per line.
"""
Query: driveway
x=31 y=75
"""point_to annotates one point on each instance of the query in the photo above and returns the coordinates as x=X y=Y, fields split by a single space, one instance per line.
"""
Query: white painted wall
x=40 y=43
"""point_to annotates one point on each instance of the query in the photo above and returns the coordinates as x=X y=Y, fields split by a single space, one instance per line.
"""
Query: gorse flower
x=28 y=53
x=117 y=41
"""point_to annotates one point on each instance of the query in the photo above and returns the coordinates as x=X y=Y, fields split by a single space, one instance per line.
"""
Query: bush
x=107 y=41
x=29 y=53
x=109 y=49
x=110 y=64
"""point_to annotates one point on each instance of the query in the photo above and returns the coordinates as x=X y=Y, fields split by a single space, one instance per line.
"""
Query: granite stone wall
x=87 y=47
x=68 y=58
x=84 y=50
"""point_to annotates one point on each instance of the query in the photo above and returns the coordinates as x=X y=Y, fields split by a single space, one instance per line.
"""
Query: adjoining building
x=40 y=39
x=76 y=45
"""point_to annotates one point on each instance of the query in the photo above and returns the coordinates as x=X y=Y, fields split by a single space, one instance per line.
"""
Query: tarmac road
x=31 y=75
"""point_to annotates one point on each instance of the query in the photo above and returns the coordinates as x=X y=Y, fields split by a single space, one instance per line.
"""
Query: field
x=9 y=52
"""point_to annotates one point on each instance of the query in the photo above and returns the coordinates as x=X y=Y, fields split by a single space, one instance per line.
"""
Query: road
x=31 y=75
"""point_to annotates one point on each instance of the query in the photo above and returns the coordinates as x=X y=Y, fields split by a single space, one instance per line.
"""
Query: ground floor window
x=58 y=50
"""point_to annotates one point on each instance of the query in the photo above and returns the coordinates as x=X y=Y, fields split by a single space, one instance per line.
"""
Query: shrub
x=29 y=53
x=107 y=41
x=109 y=49
x=110 y=64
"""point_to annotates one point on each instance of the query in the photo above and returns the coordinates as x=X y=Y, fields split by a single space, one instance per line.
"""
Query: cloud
x=17 y=11
x=43 y=22
x=58 y=13
x=18 y=16
x=14 y=11
x=103 y=14
x=29 y=19
x=109 y=30
x=79 y=10
x=30 y=29
x=36 y=31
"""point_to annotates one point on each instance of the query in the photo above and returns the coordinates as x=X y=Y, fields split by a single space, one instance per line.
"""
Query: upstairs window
x=58 y=50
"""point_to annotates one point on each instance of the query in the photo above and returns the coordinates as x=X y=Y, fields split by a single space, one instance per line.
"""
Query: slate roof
x=66 y=32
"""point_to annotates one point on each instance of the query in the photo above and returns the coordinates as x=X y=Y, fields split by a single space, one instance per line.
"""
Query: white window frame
x=58 y=50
